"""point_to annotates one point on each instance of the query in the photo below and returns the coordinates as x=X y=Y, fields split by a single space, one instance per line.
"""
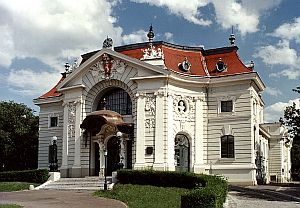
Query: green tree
x=18 y=137
x=292 y=120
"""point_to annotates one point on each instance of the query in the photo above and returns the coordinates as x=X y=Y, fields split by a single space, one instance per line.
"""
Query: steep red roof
x=229 y=56
x=174 y=57
x=203 y=62
x=199 y=58
x=53 y=92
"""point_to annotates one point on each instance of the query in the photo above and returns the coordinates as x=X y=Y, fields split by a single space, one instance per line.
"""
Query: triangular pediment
x=104 y=63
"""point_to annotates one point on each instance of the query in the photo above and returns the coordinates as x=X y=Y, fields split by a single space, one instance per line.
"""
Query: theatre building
x=161 y=106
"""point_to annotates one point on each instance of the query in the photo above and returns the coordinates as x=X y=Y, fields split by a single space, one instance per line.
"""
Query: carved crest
x=107 y=67
x=106 y=130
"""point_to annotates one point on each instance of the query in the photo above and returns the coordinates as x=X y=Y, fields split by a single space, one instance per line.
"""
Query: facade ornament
x=71 y=130
x=108 y=43
x=152 y=53
x=149 y=123
x=106 y=131
x=184 y=109
x=150 y=105
x=107 y=67
x=71 y=118
x=71 y=112
x=140 y=94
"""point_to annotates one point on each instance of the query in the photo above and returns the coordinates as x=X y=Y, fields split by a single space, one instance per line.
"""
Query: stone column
x=76 y=169
x=199 y=134
x=170 y=136
x=140 y=132
x=122 y=152
x=159 y=132
x=101 y=158
x=64 y=165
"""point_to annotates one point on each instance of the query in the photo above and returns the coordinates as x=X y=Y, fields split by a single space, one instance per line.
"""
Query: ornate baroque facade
x=161 y=106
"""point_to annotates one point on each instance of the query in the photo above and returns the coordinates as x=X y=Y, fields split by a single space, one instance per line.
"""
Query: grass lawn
x=138 y=196
x=9 y=206
x=15 y=186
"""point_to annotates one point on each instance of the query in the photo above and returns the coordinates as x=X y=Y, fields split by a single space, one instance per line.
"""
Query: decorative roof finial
x=107 y=43
x=232 y=37
x=67 y=66
x=150 y=34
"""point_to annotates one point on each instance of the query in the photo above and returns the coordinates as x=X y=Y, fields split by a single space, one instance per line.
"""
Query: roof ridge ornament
x=232 y=37
x=150 y=34
x=108 y=43
x=151 y=52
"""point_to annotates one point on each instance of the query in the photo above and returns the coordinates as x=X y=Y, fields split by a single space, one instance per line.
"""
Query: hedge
x=33 y=176
x=206 y=190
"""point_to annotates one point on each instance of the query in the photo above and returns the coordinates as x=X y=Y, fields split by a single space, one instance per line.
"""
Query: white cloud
x=244 y=14
x=47 y=29
x=273 y=91
x=233 y=13
x=169 y=36
x=278 y=54
x=135 y=37
x=289 y=31
x=291 y=73
x=189 y=11
x=282 y=53
x=273 y=112
x=30 y=83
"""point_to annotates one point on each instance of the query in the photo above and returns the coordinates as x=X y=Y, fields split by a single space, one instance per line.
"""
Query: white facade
x=178 y=121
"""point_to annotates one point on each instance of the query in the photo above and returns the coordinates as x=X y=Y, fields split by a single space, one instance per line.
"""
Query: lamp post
x=105 y=170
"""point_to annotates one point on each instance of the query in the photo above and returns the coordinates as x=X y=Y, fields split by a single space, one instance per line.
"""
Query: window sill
x=226 y=159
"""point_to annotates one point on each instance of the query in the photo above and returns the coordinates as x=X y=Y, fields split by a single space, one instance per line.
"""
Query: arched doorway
x=182 y=153
x=113 y=155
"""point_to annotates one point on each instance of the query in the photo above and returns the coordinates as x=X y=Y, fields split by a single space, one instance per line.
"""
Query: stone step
x=87 y=183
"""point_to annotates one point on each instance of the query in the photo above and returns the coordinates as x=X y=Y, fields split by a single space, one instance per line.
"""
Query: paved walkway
x=264 y=197
x=58 y=199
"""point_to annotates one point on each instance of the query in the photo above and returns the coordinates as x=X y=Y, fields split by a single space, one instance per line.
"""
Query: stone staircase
x=87 y=183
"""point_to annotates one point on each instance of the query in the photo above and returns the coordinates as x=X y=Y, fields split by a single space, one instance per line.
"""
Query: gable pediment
x=105 y=64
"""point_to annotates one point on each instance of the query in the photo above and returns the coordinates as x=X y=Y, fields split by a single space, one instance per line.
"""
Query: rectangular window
x=227 y=146
x=226 y=106
x=53 y=121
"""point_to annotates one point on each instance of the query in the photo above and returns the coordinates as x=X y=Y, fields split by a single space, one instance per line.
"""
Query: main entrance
x=111 y=139
x=113 y=155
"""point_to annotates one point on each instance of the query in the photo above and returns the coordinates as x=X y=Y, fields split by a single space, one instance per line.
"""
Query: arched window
x=116 y=100
x=227 y=146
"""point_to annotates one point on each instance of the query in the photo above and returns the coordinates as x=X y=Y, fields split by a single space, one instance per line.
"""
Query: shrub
x=207 y=191
x=160 y=178
x=33 y=176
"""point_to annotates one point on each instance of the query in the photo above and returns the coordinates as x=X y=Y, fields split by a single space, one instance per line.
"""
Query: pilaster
x=170 y=166
x=199 y=134
x=159 y=132
x=64 y=165
x=76 y=169
x=140 y=132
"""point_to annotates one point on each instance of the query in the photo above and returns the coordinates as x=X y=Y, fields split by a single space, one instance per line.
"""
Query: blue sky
x=39 y=36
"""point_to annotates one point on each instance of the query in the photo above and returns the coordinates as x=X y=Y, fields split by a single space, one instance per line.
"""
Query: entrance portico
x=112 y=137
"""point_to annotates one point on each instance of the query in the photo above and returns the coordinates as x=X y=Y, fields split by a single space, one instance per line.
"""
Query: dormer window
x=221 y=66
x=185 y=65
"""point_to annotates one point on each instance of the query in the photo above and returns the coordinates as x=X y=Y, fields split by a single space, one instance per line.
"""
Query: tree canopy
x=18 y=136
x=292 y=120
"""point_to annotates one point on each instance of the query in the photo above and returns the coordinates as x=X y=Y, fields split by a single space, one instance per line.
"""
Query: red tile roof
x=229 y=57
x=203 y=62
x=53 y=92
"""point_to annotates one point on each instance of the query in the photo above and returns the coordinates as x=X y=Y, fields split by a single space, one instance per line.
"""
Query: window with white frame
x=227 y=106
x=227 y=146
x=53 y=121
